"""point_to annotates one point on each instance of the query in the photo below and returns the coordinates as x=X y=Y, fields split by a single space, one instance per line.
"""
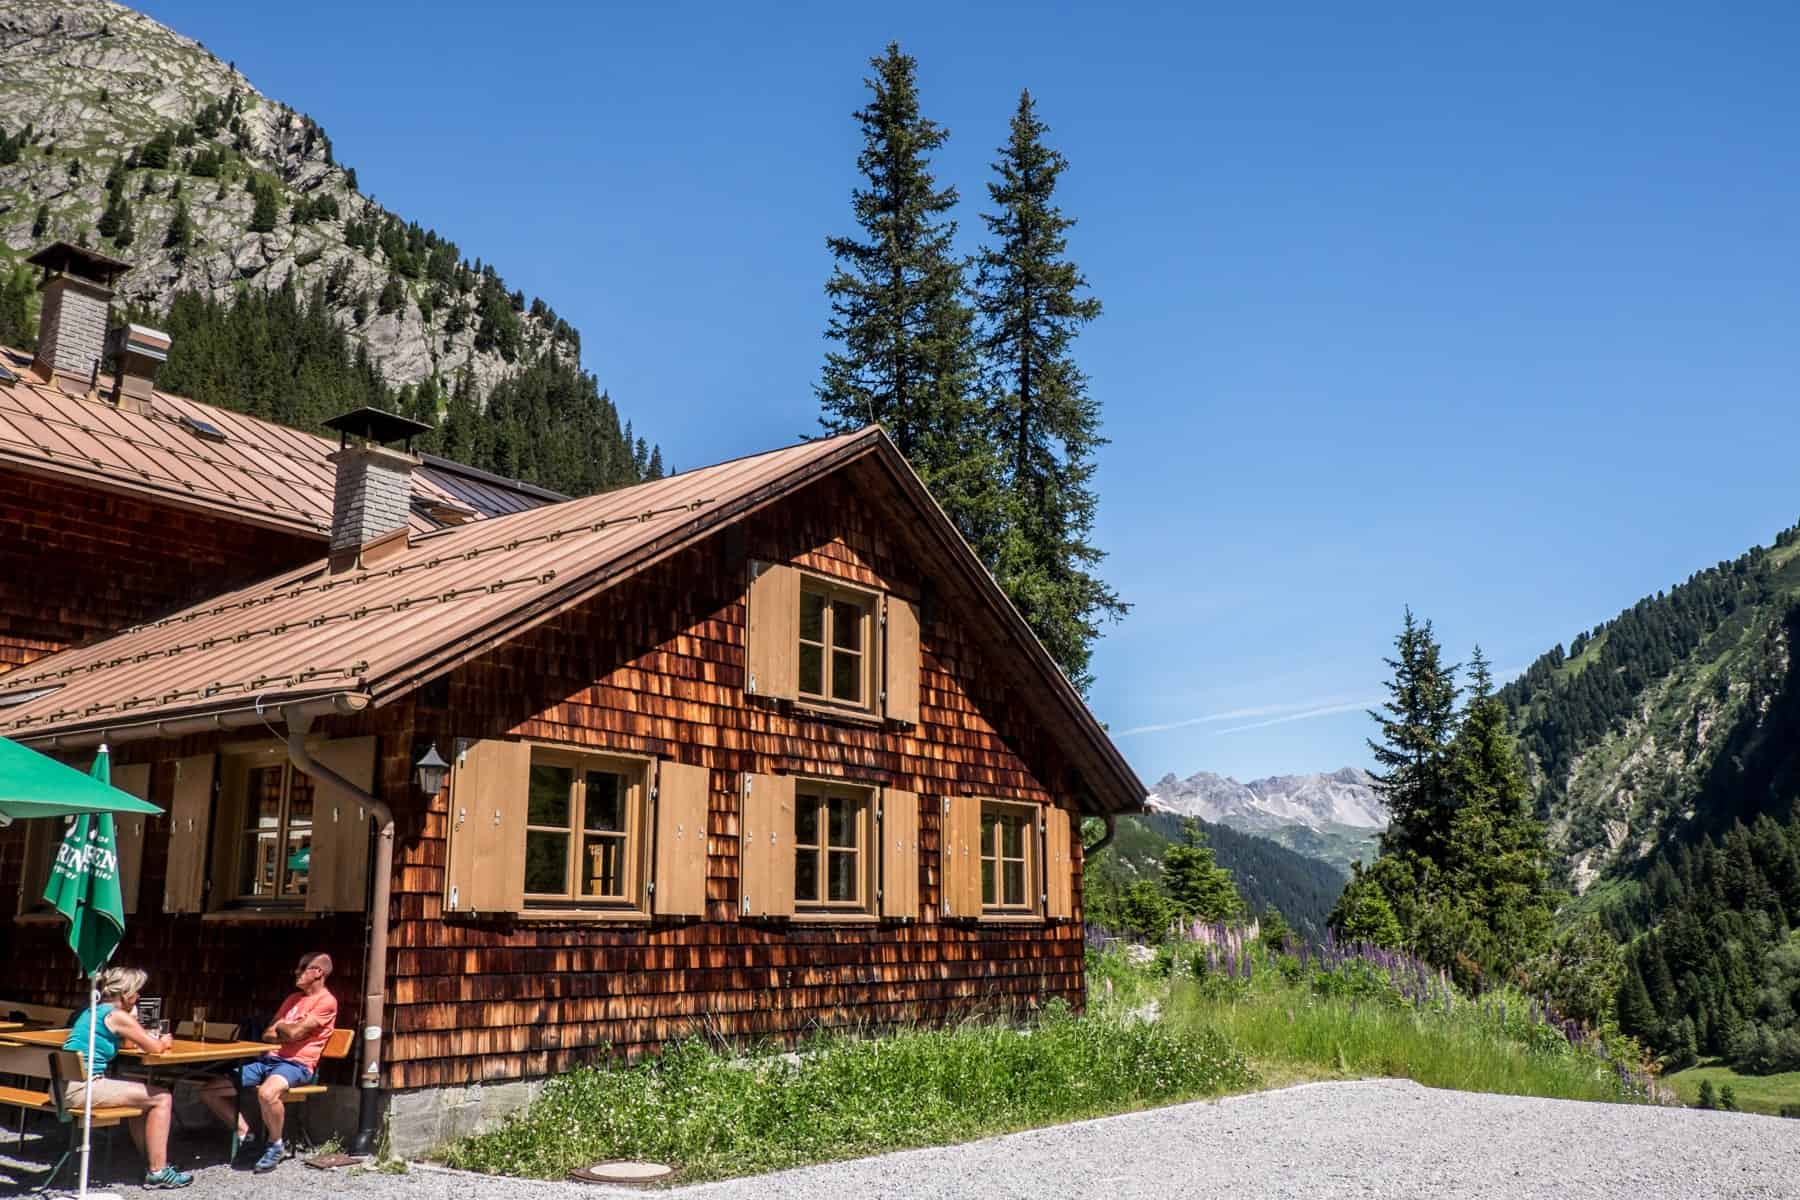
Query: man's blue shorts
x=254 y=1073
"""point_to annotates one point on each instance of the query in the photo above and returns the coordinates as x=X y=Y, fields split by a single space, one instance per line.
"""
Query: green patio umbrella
x=84 y=882
x=33 y=785
x=84 y=887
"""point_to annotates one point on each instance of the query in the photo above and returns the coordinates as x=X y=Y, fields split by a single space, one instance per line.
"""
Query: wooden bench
x=337 y=1047
x=34 y=1065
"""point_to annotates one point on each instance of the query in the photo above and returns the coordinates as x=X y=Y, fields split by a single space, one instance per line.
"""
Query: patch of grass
x=1306 y=1034
x=712 y=1116
x=1755 y=1093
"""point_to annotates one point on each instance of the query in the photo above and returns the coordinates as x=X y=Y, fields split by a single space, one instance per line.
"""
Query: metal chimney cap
x=71 y=259
x=374 y=425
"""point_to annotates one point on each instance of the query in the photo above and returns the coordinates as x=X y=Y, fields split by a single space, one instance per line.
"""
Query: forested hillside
x=1671 y=720
x=1665 y=749
x=1719 y=973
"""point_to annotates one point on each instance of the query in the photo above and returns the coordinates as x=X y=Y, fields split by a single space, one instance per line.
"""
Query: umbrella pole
x=87 y=1091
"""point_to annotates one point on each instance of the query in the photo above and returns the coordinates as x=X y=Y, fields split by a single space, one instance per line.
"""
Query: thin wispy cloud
x=1327 y=710
x=1294 y=711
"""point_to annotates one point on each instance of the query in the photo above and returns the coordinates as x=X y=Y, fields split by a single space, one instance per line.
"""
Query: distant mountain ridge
x=1343 y=797
x=1335 y=816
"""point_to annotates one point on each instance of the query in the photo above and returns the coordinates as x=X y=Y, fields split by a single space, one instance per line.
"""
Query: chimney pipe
x=138 y=350
x=77 y=287
x=372 y=506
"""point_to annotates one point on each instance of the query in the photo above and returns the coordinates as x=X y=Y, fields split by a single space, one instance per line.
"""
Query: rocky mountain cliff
x=1333 y=817
x=104 y=113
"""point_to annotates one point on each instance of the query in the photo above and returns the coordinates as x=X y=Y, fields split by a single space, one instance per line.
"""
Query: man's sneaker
x=245 y=1150
x=271 y=1158
x=168 y=1177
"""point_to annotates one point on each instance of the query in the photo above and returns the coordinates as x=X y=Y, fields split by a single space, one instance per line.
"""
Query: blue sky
x=1493 y=315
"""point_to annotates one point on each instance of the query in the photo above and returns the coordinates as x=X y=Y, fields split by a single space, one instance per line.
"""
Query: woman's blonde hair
x=121 y=981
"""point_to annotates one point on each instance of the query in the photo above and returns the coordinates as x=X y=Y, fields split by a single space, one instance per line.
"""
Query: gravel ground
x=1386 y=1138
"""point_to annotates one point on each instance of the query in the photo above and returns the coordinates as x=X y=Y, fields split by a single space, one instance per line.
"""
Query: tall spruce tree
x=1414 y=750
x=906 y=336
x=1044 y=424
x=1496 y=857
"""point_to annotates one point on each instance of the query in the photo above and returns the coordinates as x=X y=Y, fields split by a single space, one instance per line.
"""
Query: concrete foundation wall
x=422 y=1119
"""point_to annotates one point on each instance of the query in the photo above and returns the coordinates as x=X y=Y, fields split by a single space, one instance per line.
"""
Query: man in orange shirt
x=302 y=1026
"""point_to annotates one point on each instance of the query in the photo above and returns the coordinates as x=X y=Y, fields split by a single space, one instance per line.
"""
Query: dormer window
x=835 y=644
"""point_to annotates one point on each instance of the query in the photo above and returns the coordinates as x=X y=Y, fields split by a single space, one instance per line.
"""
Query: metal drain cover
x=622 y=1172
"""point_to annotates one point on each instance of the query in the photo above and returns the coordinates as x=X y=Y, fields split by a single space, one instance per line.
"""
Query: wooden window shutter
x=899 y=853
x=128 y=832
x=41 y=838
x=1059 y=863
x=338 y=881
x=190 y=834
x=959 y=857
x=901 y=640
x=679 y=878
x=772 y=634
x=485 y=873
x=766 y=847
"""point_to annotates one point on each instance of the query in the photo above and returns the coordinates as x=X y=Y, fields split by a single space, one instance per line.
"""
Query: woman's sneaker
x=271 y=1158
x=168 y=1177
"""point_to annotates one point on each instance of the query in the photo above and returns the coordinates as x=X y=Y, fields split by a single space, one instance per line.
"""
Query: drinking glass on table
x=199 y=1022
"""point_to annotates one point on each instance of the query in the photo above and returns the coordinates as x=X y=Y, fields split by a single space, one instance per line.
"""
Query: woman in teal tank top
x=106 y=1042
x=117 y=1024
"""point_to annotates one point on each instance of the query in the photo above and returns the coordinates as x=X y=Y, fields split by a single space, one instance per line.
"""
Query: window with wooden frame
x=830 y=646
x=1009 y=867
x=270 y=809
x=584 y=831
x=836 y=644
x=833 y=833
x=276 y=840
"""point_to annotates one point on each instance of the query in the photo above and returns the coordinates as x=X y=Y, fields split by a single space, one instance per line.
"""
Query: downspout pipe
x=368 y=1122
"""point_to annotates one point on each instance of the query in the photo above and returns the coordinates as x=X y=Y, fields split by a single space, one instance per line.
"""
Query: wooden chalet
x=743 y=752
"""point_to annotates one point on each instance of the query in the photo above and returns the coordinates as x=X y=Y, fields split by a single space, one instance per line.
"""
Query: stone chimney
x=373 y=502
x=137 y=350
x=77 y=289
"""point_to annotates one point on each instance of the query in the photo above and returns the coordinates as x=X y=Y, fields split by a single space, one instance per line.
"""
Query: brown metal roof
x=262 y=473
x=455 y=593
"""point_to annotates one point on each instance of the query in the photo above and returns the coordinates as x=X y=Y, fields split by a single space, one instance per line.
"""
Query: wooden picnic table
x=6 y=1025
x=185 y=1051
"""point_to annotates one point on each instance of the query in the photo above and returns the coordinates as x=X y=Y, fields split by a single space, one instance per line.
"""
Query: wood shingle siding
x=77 y=564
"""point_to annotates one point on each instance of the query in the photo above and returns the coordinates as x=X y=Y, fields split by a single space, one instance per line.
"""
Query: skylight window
x=200 y=427
x=14 y=699
x=7 y=374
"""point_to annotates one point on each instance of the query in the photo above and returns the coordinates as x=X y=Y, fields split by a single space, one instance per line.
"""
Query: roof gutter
x=338 y=704
x=368 y=1126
